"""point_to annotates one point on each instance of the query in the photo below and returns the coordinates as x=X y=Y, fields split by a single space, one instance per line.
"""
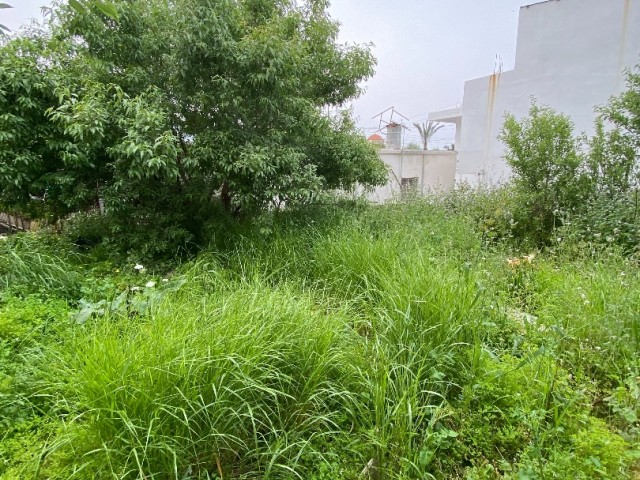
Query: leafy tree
x=106 y=8
x=597 y=186
x=165 y=107
x=615 y=148
x=542 y=152
x=612 y=160
x=612 y=210
x=38 y=161
x=412 y=146
x=427 y=130
x=623 y=111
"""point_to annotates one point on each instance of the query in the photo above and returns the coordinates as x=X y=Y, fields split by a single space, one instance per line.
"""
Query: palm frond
x=427 y=130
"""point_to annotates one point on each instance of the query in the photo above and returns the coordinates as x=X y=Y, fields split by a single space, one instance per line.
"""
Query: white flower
x=165 y=280
x=138 y=267
x=150 y=284
x=135 y=289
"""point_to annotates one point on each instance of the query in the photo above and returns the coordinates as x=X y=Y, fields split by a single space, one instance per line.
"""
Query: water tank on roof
x=394 y=136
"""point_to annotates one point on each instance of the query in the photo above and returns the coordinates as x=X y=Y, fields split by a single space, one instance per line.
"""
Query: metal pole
x=424 y=154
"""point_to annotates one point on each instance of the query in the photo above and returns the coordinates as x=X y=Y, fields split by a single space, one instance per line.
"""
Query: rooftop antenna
x=391 y=120
x=386 y=118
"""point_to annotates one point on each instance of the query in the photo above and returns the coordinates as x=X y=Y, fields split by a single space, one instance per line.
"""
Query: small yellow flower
x=513 y=262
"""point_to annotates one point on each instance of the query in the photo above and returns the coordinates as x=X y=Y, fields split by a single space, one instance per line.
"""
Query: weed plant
x=382 y=342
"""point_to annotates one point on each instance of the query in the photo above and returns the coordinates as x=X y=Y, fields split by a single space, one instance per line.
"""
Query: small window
x=409 y=186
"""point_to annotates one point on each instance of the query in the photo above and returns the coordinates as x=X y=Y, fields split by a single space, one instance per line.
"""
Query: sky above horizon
x=426 y=50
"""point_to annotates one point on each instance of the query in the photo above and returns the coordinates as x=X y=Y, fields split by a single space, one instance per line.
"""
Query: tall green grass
x=270 y=356
x=29 y=264
x=246 y=382
x=389 y=342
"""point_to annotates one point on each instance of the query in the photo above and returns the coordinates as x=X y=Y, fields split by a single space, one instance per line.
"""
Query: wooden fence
x=13 y=223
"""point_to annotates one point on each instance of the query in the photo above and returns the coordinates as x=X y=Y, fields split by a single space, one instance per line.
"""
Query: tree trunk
x=225 y=195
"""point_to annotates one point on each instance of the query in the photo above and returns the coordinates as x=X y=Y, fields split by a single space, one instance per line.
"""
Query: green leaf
x=540 y=351
x=595 y=461
x=119 y=301
x=84 y=314
x=77 y=6
x=425 y=458
x=108 y=9
x=630 y=415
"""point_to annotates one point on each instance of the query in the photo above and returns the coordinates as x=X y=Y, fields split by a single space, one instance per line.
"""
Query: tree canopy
x=163 y=107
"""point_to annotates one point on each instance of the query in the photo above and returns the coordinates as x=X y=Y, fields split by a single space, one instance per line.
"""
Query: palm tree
x=4 y=29
x=427 y=131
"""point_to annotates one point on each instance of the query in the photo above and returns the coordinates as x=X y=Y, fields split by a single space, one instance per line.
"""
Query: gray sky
x=426 y=49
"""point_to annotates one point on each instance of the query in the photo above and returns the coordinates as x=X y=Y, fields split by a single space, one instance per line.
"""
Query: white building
x=415 y=172
x=571 y=56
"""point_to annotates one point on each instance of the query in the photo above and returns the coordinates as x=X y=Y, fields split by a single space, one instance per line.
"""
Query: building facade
x=571 y=56
x=415 y=172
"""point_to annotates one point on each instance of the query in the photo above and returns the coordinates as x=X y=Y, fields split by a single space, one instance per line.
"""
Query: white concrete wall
x=571 y=56
x=435 y=171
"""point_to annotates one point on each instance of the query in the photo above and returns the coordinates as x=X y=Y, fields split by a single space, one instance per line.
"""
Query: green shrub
x=592 y=308
x=593 y=451
x=492 y=211
x=87 y=229
x=543 y=154
x=609 y=220
x=558 y=182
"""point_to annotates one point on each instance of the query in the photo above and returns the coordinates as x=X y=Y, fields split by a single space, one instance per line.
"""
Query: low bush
x=560 y=180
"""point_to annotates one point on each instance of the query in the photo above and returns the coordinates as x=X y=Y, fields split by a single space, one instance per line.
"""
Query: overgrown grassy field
x=344 y=342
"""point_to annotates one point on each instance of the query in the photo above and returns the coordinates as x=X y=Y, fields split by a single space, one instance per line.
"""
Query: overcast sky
x=426 y=49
